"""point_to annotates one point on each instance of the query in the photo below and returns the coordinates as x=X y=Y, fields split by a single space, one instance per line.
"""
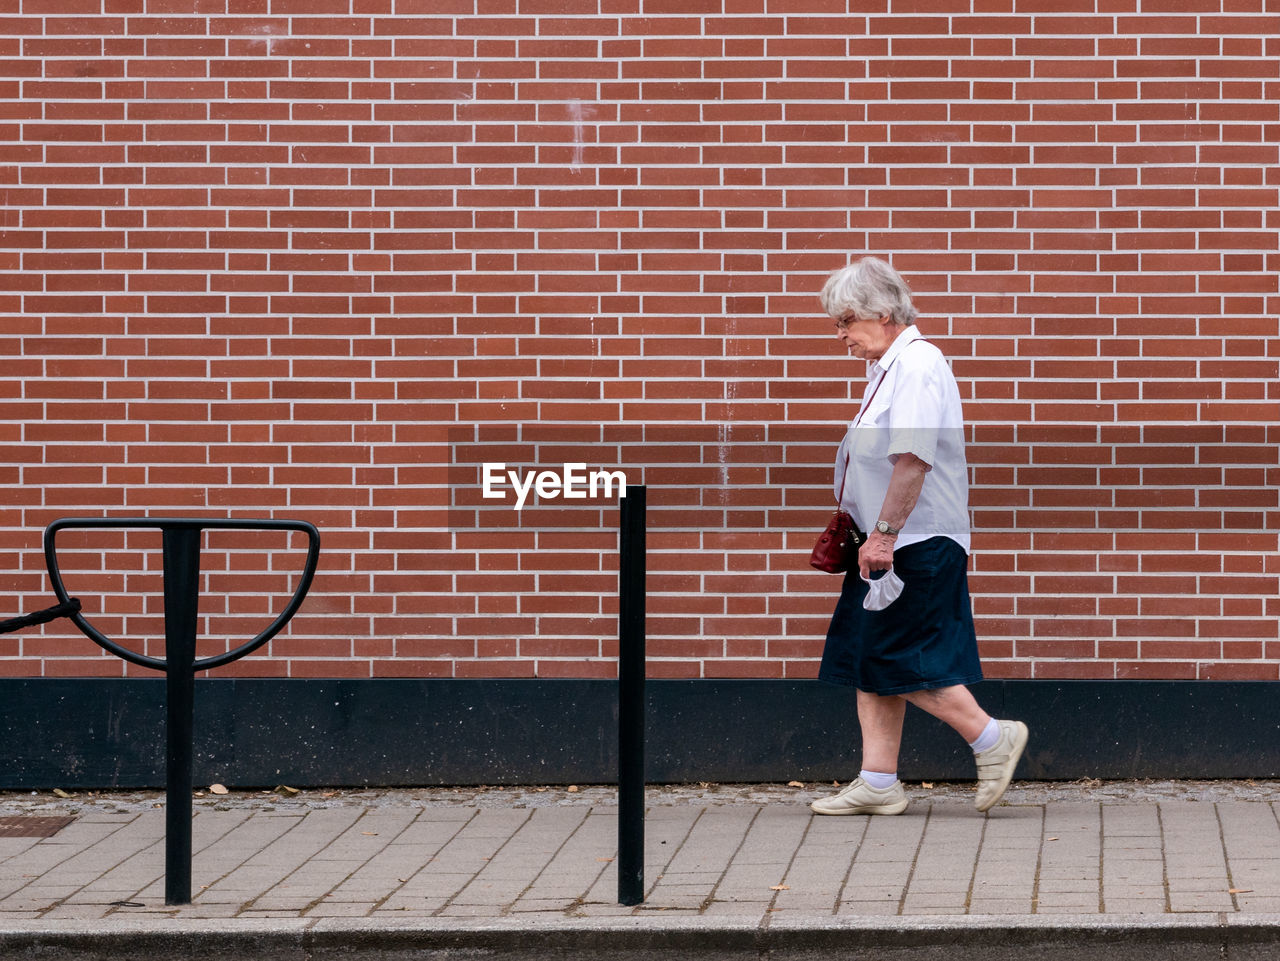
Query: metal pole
x=181 y=601
x=631 y=672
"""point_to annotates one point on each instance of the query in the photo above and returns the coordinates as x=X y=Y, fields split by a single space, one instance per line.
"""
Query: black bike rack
x=181 y=555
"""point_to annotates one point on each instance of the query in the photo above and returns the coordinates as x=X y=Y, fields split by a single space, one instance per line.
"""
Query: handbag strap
x=862 y=410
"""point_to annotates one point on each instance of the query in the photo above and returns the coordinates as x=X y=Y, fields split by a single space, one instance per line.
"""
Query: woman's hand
x=876 y=554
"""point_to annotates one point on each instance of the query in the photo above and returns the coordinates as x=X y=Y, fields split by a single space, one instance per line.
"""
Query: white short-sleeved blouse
x=911 y=405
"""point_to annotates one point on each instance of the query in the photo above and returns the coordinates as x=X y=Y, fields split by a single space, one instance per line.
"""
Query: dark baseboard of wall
x=109 y=733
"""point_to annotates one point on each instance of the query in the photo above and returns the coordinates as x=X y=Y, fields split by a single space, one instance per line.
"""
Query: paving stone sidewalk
x=749 y=854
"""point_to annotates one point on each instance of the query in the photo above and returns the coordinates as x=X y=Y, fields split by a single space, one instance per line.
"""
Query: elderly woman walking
x=902 y=630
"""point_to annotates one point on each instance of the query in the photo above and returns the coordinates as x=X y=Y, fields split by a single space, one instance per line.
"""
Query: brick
x=319 y=239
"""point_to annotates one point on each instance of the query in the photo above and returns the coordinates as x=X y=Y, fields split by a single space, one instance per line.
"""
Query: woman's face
x=866 y=339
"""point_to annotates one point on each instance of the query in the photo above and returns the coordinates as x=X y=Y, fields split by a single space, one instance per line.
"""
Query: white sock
x=878 y=780
x=988 y=738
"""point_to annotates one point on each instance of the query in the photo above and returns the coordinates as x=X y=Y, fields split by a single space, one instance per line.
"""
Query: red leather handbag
x=837 y=547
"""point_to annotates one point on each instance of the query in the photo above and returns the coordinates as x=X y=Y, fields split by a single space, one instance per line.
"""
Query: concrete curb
x=153 y=939
x=796 y=938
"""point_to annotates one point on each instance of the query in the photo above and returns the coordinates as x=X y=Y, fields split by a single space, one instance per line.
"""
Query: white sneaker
x=996 y=764
x=859 y=797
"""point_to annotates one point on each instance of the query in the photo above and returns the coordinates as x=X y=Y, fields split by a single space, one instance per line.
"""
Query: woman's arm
x=900 y=500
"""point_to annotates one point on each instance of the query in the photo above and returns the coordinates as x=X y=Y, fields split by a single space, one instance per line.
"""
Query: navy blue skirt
x=923 y=640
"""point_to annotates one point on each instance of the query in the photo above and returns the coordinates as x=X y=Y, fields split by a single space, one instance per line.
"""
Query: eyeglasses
x=844 y=322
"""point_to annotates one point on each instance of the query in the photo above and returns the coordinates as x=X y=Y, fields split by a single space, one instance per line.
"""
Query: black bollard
x=631 y=674
x=181 y=549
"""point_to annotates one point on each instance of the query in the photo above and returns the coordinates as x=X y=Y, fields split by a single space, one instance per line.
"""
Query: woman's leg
x=998 y=758
x=954 y=706
x=881 y=721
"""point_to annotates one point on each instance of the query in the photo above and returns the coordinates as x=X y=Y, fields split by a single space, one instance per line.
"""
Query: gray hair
x=868 y=289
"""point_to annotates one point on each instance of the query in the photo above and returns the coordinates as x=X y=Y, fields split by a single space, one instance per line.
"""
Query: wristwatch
x=884 y=528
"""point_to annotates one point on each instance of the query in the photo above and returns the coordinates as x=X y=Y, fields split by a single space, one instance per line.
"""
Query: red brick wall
x=261 y=257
